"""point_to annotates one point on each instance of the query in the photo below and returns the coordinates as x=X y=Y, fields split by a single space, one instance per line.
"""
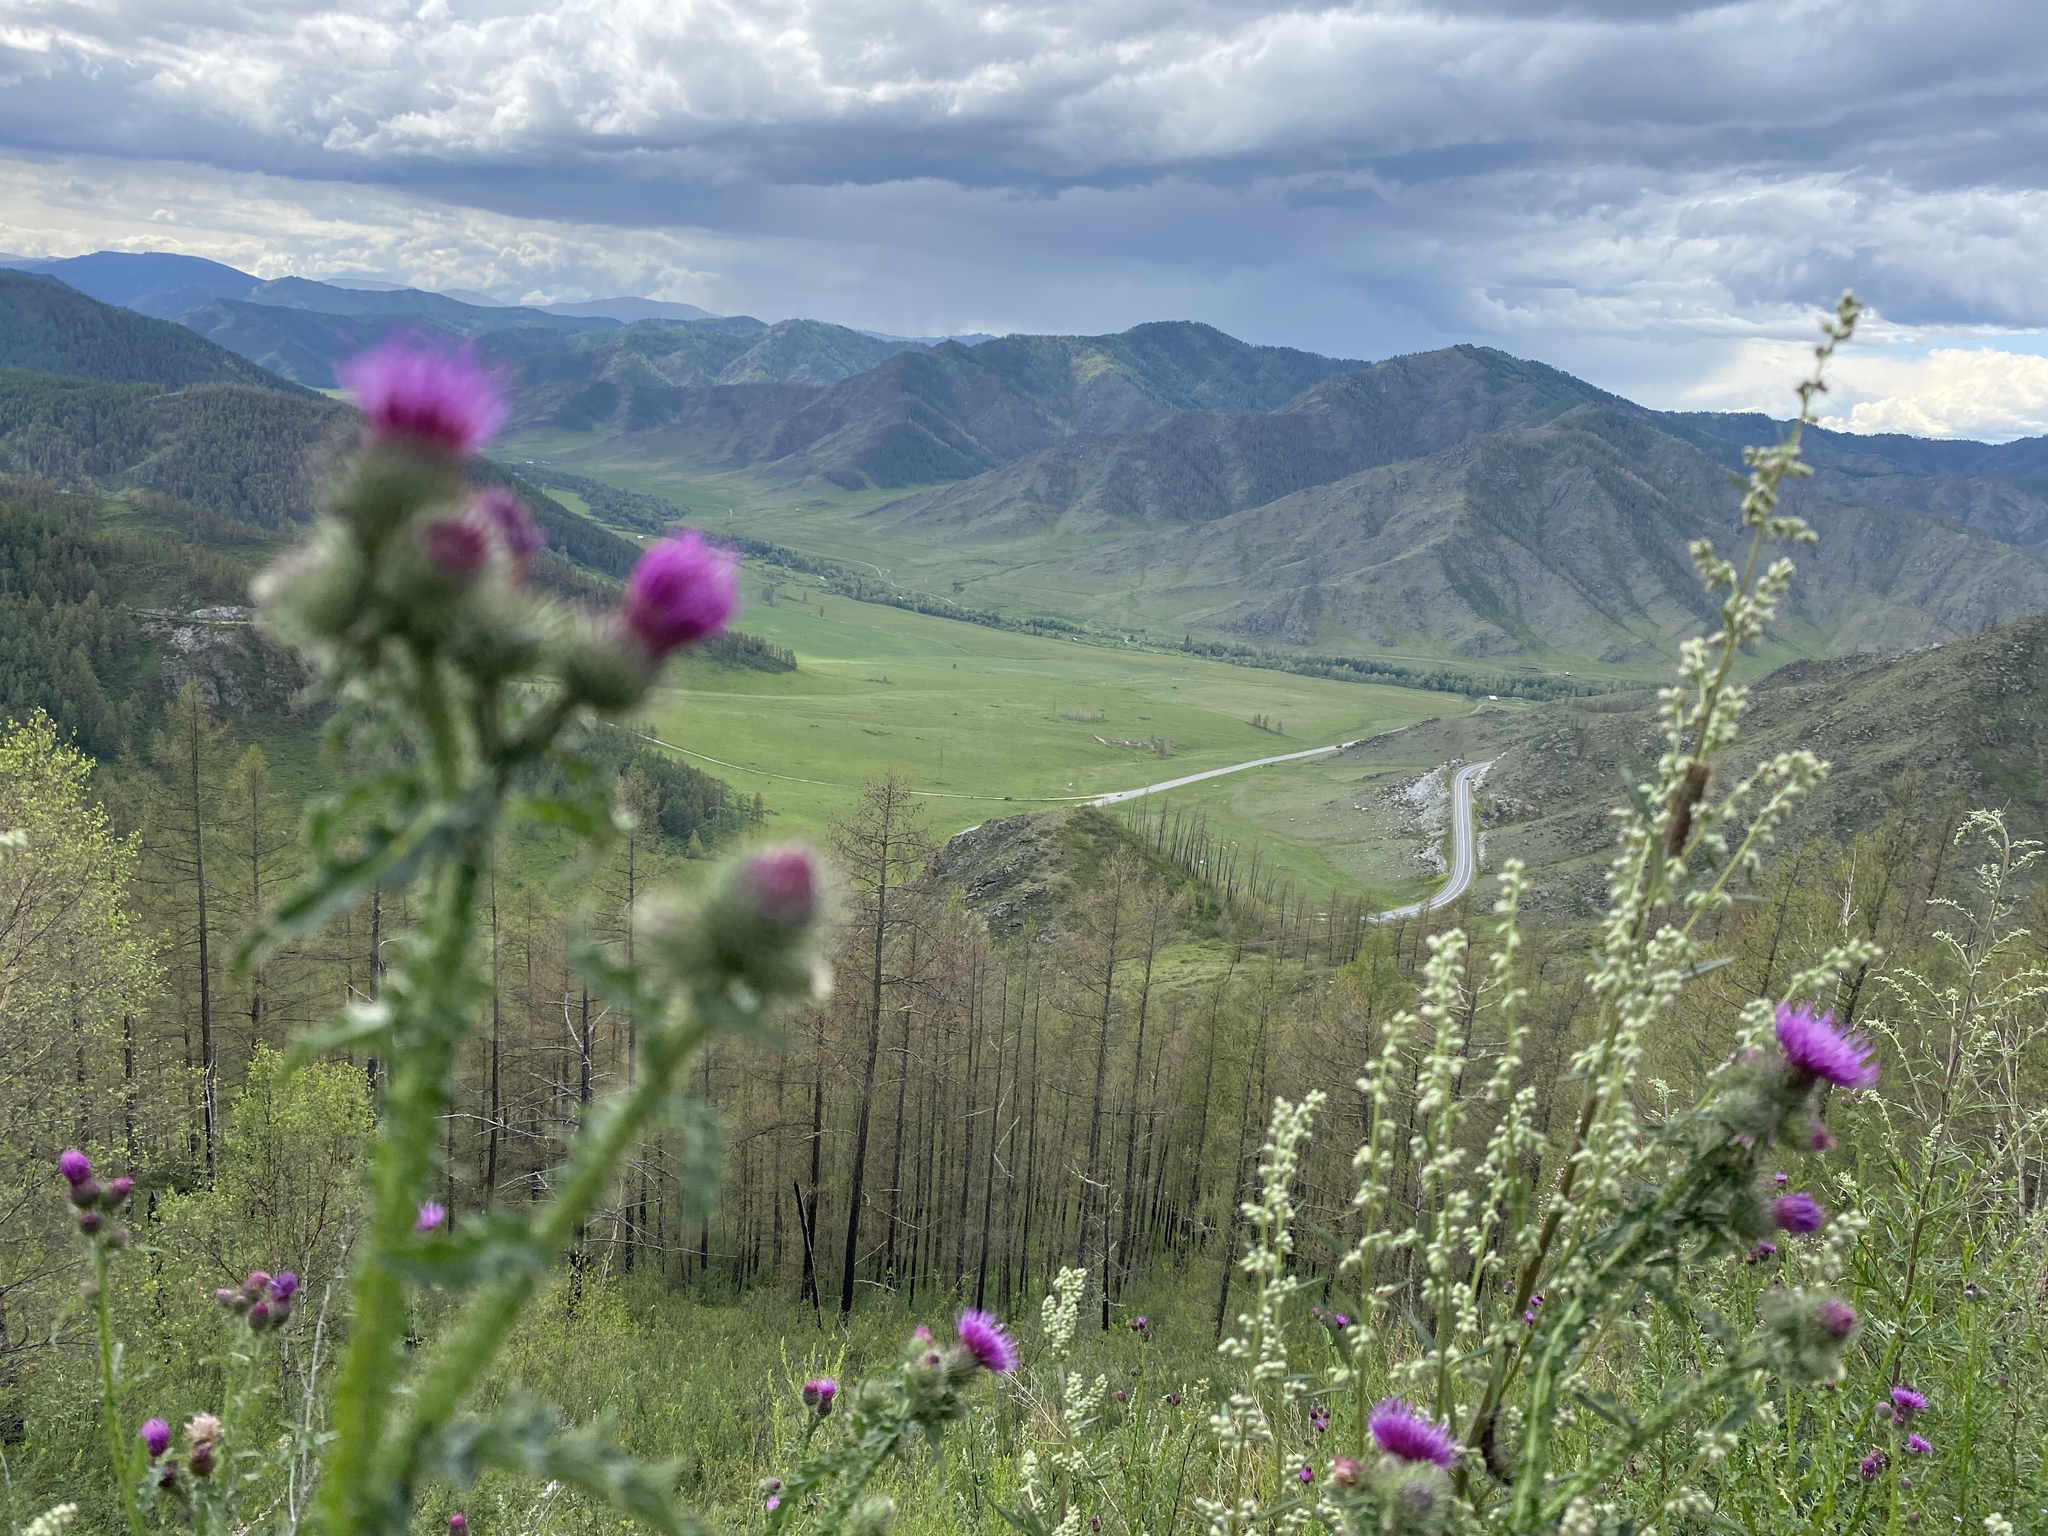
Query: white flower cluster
x=1060 y=1312
x=53 y=1521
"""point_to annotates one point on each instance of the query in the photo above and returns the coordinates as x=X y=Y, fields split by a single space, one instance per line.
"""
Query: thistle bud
x=604 y=667
x=316 y=594
x=870 y=1517
x=1346 y=1473
x=757 y=928
x=1807 y=1333
x=202 y=1442
x=818 y=1394
x=682 y=591
x=121 y=1189
x=513 y=524
x=455 y=547
x=89 y=1222
x=156 y=1437
x=458 y=1524
x=259 y=1316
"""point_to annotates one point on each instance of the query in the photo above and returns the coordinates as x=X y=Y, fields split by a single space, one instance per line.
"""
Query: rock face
x=1020 y=872
x=237 y=669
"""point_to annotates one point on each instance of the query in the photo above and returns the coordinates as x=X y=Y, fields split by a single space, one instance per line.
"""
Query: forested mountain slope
x=1567 y=538
x=49 y=328
x=956 y=411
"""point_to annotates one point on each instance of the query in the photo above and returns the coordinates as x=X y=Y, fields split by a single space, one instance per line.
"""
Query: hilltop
x=46 y=327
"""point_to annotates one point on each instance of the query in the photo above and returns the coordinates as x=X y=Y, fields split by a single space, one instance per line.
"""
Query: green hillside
x=46 y=327
x=950 y=412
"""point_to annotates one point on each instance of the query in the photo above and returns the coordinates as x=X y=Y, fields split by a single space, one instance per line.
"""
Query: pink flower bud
x=439 y=400
x=509 y=518
x=682 y=591
x=455 y=546
x=782 y=884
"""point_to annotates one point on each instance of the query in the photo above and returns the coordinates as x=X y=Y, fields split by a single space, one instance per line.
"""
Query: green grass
x=880 y=689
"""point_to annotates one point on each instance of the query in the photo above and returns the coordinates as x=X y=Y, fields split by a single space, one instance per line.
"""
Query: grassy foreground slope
x=1022 y=721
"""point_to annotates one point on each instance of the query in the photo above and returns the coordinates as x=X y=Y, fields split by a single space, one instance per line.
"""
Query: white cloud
x=1953 y=392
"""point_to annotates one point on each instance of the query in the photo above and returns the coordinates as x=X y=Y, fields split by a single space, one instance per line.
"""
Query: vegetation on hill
x=46 y=327
x=953 y=410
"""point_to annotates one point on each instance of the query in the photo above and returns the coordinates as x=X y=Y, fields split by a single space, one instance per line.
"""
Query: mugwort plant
x=1488 y=1308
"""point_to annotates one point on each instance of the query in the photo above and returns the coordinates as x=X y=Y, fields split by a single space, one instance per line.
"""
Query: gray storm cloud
x=1357 y=178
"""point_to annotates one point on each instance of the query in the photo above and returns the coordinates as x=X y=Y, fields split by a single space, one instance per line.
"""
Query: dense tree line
x=48 y=327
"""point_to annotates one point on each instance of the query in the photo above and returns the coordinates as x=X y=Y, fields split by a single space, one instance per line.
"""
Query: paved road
x=1464 y=848
x=1464 y=842
x=1215 y=773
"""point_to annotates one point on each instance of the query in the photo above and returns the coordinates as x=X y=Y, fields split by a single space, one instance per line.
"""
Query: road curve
x=1214 y=773
x=1464 y=848
x=1464 y=841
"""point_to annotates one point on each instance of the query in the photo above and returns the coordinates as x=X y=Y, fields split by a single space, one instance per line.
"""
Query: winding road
x=1464 y=841
x=1464 y=848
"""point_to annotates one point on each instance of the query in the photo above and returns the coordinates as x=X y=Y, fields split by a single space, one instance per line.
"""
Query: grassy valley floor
x=987 y=723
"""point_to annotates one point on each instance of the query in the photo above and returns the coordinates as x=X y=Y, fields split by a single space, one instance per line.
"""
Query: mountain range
x=1461 y=506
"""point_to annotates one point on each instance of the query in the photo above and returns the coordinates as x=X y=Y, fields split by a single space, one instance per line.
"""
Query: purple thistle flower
x=1307 y=1473
x=283 y=1286
x=1781 y=1179
x=1836 y=1316
x=921 y=1333
x=440 y=399
x=431 y=1215
x=681 y=591
x=1798 y=1214
x=1817 y=1050
x=75 y=1166
x=818 y=1393
x=774 y=1502
x=1906 y=1402
x=1762 y=1252
x=121 y=1188
x=156 y=1437
x=1403 y=1431
x=458 y=1524
x=454 y=546
x=782 y=884
x=1319 y=1418
x=257 y=1283
x=1918 y=1446
x=983 y=1338
x=1872 y=1466
x=510 y=519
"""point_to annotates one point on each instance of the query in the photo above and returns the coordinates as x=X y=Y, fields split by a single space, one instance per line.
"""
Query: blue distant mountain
x=129 y=277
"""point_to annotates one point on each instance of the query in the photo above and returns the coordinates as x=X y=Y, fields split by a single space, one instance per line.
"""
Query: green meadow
x=986 y=723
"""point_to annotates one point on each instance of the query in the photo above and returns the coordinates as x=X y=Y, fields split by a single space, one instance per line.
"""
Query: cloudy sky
x=1655 y=194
